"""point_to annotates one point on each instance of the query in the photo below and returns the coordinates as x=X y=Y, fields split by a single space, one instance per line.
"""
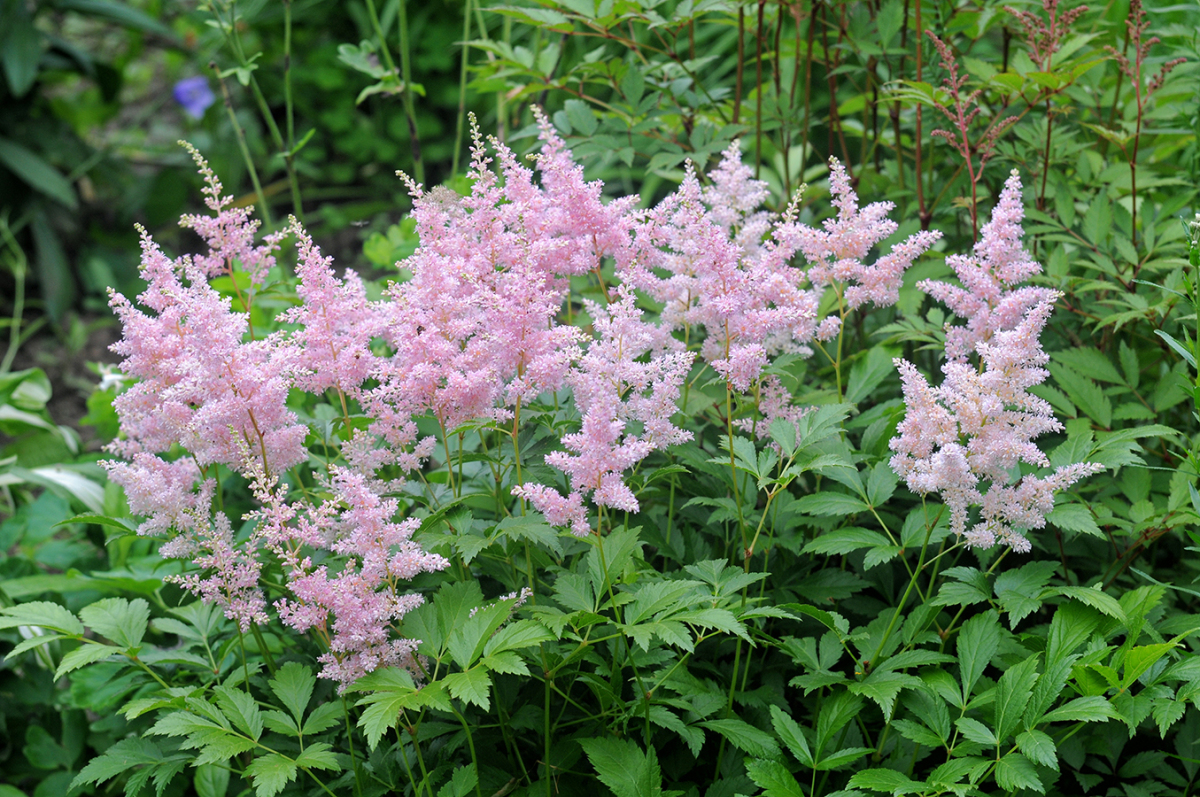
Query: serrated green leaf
x=472 y=686
x=975 y=731
x=461 y=783
x=885 y=780
x=318 y=755
x=43 y=614
x=978 y=641
x=241 y=709
x=1039 y=748
x=1075 y=517
x=1085 y=393
x=792 y=736
x=829 y=504
x=82 y=656
x=1095 y=599
x=117 y=759
x=293 y=685
x=1015 y=772
x=846 y=540
x=118 y=619
x=1092 y=708
x=270 y=773
x=773 y=778
x=623 y=767
x=1013 y=692
x=745 y=737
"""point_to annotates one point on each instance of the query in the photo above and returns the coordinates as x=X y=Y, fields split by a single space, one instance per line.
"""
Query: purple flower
x=194 y=95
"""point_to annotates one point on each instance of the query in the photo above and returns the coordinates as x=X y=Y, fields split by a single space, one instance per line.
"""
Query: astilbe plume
x=708 y=275
x=475 y=330
x=966 y=438
x=357 y=609
x=721 y=265
x=208 y=385
x=630 y=376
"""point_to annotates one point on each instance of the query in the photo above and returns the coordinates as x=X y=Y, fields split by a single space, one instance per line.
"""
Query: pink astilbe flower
x=336 y=323
x=988 y=297
x=744 y=295
x=475 y=330
x=717 y=263
x=229 y=232
x=358 y=609
x=232 y=571
x=967 y=438
x=631 y=375
x=836 y=253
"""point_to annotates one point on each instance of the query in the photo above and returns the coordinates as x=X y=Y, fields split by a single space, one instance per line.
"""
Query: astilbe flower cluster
x=966 y=438
x=209 y=385
x=630 y=376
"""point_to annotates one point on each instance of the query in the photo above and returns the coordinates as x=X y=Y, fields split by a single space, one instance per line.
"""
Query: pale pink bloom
x=967 y=438
x=625 y=386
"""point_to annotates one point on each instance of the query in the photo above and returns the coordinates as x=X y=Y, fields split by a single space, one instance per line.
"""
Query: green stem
x=262 y=648
x=462 y=88
x=245 y=150
x=471 y=746
x=350 y=743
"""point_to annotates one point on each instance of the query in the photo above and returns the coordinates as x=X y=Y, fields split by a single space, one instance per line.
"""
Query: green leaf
x=883 y=687
x=975 y=731
x=35 y=641
x=1096 y=599
x=293 y=685
x=885 y=780
x=835 y=714
x=517 y=636
x=43 y=614
x=745 y=737
x=21 y=48
x=118 y=13
x=1092 y=362
x=1019 y=591
x=846 y=540
x=1178 y=347
x=582 y=117
x=322 y=718
x=270 y=773
x=790 y=732
x=633 y=85
x=318 y=755
x=120 y=620
x=1015 y=771
x=32 y=170
x=1092 y=708
x=1142 y=658
x=623 y=767
x=117 y=759
x=241 y=709
x=82 y=656
x=211 y=780
x=532 y=528
x=773 y=778
x=1075 y=517
x=868 y=374
x=978 y=641
x=471 y=686
x=619 y=547
x=830 y=504
x=461 y=783
x=1039 y=748
x=1013 y=692
x=1086 y=394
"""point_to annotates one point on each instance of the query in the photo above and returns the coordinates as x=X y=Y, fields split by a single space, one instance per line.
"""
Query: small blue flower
x=194 y=95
